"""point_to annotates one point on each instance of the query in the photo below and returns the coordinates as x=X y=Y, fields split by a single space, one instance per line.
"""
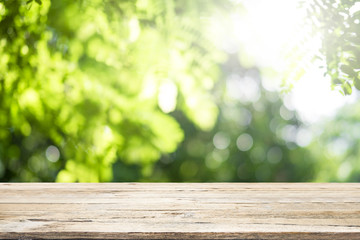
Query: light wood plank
x=180 y=211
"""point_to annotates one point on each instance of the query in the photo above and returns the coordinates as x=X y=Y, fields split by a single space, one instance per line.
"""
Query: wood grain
x=180 y=211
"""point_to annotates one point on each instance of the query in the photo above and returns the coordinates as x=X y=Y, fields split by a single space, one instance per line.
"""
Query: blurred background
x=179 y=90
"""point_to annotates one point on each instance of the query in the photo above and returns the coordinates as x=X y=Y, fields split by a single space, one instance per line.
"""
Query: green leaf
x=347 y=88
x=336 y=81
x=38 y=2
x=352 y=49
x=357 y=83
x=348 y=70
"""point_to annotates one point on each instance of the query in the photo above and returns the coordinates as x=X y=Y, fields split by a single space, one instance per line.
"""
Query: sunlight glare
x=313 y=98
x=266 y=28
x=268 y=35
x=167 y=97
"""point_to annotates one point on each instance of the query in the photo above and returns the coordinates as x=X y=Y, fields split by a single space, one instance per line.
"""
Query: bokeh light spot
x=221 y=140
x=274 y=155
x=244 y=142
x=52 y=153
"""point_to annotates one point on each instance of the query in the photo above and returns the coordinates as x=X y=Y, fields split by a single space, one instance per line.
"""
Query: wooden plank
x=180 y=211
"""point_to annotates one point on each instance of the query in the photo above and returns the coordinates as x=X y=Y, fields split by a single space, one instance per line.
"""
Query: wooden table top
x=179 y=211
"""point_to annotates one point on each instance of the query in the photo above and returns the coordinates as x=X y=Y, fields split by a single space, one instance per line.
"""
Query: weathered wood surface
x=180 y=211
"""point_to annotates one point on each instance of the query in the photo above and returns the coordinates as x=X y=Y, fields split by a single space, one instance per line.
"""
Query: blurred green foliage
x=338 y=24
x=84 y=76
x=103 y=90
x=254 y=138
x=337 y=148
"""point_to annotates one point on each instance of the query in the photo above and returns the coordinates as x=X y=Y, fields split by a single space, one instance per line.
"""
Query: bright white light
x=267 y=34
x=134 y=29
x=167 y=97
x=355 y=8
x=313 y=98
x=267 y=27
